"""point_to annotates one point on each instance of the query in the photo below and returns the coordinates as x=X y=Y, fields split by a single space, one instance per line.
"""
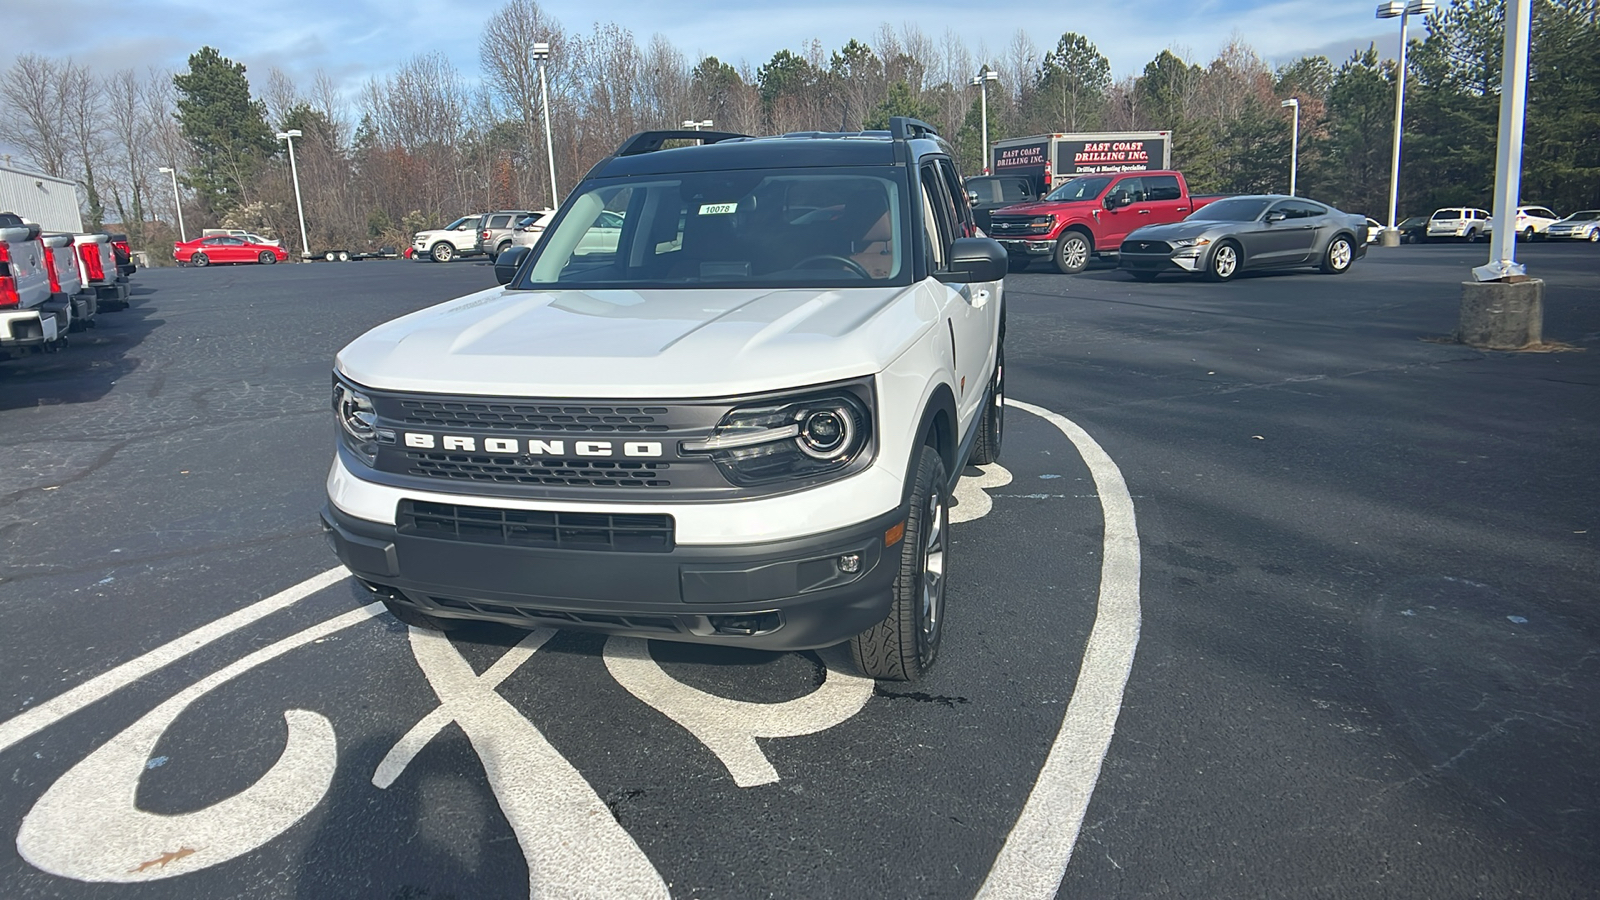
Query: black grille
x=1146 y=247
x=545 y=417
x=623 y=533
x=531 y=471
x=559 y=618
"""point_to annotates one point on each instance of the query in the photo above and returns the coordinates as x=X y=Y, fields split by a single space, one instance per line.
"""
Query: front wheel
x=1072 y=253
x=1594 y=236
x=199 y=260
x=1339 y=256
x=266 y=258
x=1224 y=262
x=442 y=252
x=903 y=646
x=991 y=431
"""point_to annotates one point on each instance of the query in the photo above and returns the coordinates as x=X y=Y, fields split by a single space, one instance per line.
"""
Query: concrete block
x=1389 y=237
x=1499 y=315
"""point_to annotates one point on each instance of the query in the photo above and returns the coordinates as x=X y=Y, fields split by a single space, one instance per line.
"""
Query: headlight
x=1181 y=243
x=816 y=436
x=358 y=422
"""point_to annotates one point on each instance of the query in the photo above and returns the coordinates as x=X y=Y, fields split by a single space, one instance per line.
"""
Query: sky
x=355 y=39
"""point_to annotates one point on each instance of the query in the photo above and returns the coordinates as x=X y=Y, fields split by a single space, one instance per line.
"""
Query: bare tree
x=505 y=51
x=34 y=115
x=84 y=103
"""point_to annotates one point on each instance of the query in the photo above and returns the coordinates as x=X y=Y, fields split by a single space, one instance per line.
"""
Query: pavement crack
x=917 y=696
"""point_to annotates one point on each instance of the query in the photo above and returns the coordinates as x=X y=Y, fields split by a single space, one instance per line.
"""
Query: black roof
x=642 y=153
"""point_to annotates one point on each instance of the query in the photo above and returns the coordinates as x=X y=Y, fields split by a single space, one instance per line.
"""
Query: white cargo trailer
x=50 y=201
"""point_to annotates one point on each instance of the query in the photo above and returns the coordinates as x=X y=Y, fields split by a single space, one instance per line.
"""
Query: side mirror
x=1117 y=200
x=972 y=197
x=507 y=263
x=1275 y=216
x=975 y=259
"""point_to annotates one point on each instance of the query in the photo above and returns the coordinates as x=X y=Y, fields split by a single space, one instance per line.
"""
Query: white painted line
x=1036 y=852
x=972 y=493
x=405 y=750
x=88 y=825
x=55 y=709
x=573 y=845
x=729 y=728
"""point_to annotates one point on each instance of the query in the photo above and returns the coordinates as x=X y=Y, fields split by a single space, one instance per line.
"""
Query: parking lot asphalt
x=1366 y=641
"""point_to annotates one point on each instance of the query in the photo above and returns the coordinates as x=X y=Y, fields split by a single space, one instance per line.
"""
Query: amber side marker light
x=893 y=535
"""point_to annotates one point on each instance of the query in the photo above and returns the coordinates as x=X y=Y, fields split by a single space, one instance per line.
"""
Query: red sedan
x=226 y=248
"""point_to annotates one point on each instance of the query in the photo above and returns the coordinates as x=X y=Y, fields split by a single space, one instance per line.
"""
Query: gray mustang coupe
x=1255 y=231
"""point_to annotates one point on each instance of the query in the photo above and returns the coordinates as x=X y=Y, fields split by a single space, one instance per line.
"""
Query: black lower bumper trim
x=794 y=594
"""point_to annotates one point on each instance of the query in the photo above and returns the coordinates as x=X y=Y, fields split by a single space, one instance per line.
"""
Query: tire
x=344 y=256
x=1224 y=262
x=266 y=258
x=504 y=246
x=1339 y=256
x=1142 y=275
x=1072 y=253
x=199 y=260
x=1017 y=263
x=991 y=431
x=903 y=646
x=1594 y=236
x=416 y=618
x=1528 y=234
x=1472 y=236
x=442 y=252
x=330 y=256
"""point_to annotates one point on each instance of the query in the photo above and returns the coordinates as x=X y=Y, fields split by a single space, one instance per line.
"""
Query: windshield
x=1085 y=188
x=1586 y=215
x=797 y=228
x=1233 y=209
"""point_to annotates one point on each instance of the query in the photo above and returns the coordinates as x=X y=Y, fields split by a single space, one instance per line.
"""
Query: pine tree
x=227 y=130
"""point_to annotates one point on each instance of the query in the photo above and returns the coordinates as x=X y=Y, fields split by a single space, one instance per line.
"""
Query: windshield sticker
x=718 y=209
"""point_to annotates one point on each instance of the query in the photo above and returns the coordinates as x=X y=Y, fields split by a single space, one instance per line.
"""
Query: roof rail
x=905 y=128
x=651 y=141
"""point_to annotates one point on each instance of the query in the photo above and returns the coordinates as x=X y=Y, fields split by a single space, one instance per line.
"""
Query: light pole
x=1294 y=147
x=294 y=170
x=691 y=123
x=541 y=53
x=1402 y=10
x=981 y=81
x=177 y=200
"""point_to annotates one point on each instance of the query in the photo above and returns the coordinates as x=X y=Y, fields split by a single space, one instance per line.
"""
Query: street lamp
x=541 y=53
x=981 y=81
x=690 y=123
x=288 y=137
x=177 y=200
x=1402 y=10
x=1294 y=148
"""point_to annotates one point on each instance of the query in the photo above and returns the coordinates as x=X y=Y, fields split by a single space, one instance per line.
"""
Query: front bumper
x=1160 y=262
x=1041 y=246
x=790 y=594
x=1566 y=235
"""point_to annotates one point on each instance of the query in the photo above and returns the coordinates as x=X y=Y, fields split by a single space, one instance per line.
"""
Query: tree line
x=421 y=145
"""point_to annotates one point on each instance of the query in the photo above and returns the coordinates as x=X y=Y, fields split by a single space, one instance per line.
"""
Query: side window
x=1300 y=209
x=962 y=221
x=935 y=220
x=1131 y=188
x=1162 y=187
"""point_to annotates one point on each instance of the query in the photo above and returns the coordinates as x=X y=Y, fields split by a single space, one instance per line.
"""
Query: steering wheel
x=845 y=261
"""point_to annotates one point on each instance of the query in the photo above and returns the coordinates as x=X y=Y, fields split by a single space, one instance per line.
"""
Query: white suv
x=459 y=238
x=738 y=425
x=1456 y=222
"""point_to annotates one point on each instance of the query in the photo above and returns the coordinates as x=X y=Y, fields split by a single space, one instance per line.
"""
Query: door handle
x=1144 y=212
x=1183 y=209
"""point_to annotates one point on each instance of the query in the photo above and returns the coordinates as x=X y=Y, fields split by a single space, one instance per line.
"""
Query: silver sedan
x=1256 y=231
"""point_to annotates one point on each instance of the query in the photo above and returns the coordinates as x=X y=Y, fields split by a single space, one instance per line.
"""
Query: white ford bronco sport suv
x=740 y=424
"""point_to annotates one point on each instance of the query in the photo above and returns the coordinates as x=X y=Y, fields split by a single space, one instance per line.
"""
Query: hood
x=1044 y=207
x=644 y=344
x=1176 y=230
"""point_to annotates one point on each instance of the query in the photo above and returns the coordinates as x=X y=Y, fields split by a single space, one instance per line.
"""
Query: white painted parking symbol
x=87 y=826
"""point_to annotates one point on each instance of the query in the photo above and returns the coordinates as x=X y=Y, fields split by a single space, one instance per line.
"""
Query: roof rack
x=651 y=141
x=905 y=128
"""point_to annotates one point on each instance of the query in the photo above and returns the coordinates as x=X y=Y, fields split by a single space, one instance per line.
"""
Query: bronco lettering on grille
x=532 y=446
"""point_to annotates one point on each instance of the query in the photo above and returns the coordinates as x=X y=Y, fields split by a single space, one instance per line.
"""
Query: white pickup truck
x=26 y=324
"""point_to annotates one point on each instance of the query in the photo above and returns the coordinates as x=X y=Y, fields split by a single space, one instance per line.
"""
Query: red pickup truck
x=1091 y=214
